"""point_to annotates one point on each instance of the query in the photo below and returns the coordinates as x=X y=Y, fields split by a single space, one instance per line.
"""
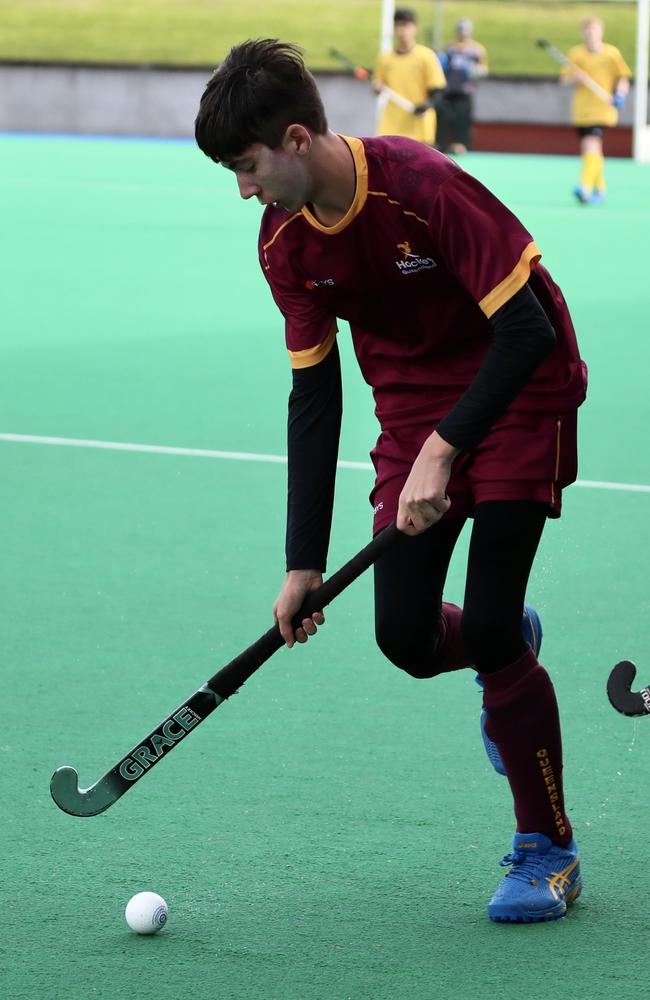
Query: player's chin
x=289 y=202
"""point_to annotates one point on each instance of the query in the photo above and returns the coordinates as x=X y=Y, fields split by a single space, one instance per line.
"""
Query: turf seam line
x=246 y=456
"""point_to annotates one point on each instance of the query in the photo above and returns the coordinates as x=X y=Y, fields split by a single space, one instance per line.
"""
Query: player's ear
x=297 y=139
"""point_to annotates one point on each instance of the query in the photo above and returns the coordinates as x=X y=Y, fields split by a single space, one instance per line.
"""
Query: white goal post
x=641 y=145
x=385 y=45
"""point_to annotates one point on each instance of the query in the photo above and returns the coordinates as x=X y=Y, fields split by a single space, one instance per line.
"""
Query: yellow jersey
x=412 y=74
x=606 y=67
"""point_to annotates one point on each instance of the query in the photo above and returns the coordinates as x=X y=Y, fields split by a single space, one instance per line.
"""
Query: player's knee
x=492 y=642
x=415 y=655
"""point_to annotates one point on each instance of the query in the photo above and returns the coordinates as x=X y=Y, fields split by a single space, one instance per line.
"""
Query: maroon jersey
x=422 y=259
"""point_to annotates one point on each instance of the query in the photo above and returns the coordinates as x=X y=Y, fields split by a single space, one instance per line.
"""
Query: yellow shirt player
x=414 y=72
x=605 y=66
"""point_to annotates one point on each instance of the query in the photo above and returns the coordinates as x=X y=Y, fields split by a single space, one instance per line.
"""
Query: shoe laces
x=524 y=866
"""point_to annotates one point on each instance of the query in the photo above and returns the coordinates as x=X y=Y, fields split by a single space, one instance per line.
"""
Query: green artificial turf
x=334 y=830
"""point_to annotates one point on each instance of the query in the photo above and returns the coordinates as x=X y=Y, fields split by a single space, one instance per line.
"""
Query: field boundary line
x=246 y=456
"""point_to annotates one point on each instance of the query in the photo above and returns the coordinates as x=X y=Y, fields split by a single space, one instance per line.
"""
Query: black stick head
x=620 y=694
x=64 y=789
x=542 y=43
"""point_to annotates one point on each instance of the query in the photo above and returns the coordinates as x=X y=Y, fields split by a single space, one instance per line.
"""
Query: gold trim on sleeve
x=314 y=355
x=515 y=280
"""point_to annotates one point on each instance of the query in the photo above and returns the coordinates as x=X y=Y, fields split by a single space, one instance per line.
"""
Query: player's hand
x=377 y=86
x=298 y=583
x=424 y=500
x=420 y=109
x=618 y=100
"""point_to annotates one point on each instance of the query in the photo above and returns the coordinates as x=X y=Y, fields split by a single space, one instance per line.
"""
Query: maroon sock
x=524 y=723
x=452 y=652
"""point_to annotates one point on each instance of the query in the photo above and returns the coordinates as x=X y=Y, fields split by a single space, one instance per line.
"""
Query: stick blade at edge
x=619 y=692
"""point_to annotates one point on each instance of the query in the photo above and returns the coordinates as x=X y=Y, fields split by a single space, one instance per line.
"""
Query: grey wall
x=162 y=102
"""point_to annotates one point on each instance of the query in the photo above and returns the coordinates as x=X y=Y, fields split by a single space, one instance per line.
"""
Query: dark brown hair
x=260 y=89
x=404 y=15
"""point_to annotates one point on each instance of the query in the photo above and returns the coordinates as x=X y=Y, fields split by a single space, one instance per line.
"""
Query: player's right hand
x=298 y=583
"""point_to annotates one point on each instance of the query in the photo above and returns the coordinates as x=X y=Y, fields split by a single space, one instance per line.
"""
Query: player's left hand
x=618 y=100
x=424 y=500
x=420 y=109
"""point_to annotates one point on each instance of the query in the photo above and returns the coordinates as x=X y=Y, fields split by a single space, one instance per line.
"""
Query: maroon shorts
x=526 y=456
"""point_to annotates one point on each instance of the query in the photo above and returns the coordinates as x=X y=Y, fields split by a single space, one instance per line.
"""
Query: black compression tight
x=409 y=582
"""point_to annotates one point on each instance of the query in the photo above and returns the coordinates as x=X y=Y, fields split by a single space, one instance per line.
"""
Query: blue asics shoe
x=582 y=195
x=544 y=879
x=532 y=629
x=597 y=197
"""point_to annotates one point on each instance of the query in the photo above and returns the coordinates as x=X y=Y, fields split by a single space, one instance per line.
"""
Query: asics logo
x=311 y=283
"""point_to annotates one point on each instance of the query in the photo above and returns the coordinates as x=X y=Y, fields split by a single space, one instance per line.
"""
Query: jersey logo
x=311 y=284
x=411 y=262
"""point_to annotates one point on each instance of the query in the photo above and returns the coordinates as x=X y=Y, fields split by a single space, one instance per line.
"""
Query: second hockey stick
x=620 y=693
x=583 y=77
x=362 y=74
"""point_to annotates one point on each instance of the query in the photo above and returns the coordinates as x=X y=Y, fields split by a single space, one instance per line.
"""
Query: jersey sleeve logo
x=411 y=263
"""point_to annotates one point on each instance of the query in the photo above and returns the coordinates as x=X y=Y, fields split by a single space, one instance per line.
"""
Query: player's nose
x=247 y=188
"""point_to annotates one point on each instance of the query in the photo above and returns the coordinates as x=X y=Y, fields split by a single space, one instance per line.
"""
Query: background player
x=591 y=114
x=464 y=62
x=471 y=354
x=413 y=71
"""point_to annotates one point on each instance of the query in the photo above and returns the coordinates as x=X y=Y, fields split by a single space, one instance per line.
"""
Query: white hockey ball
x=146 y=913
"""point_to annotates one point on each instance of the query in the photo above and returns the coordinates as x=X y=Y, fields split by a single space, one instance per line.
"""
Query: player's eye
x=240 y=168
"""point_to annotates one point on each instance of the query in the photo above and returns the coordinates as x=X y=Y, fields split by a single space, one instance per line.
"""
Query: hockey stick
x=64 y=785
x=362 y=74
x=619 y=692
x=359 y=71
x=583 y=77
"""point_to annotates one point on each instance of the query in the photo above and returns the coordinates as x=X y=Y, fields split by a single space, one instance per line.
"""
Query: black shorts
x=585 y=130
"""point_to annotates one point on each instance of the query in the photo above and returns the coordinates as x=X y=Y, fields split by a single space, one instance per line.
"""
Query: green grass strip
x=200 y=32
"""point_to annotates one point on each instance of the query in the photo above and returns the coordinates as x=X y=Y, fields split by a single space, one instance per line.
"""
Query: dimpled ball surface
x=146 y=913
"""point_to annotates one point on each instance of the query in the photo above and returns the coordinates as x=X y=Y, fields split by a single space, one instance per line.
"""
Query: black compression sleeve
x=432 y=98
x=523 y=337
x=314 y=425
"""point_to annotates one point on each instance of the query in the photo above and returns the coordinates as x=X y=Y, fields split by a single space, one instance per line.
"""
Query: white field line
x=246 y=456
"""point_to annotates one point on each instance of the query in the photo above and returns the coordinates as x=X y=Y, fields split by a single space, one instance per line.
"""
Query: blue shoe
x=597 y=197
x=583 y=196
x=544 y=879
x=532 y=629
